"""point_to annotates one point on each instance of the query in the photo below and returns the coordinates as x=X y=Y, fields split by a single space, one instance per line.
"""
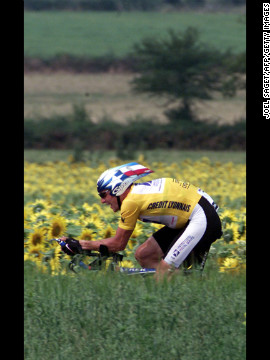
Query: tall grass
x=98 y=34
x=109 y=316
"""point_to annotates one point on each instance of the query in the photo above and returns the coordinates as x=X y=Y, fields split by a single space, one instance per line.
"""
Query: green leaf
x=73 y=230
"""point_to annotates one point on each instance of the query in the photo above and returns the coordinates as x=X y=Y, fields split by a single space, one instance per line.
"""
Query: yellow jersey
x=164 y=201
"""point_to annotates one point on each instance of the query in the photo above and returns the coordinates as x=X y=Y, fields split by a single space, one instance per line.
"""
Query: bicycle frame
x=100 y=260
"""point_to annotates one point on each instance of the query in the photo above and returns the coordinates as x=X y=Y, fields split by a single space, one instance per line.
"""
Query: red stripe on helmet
x=137 y=172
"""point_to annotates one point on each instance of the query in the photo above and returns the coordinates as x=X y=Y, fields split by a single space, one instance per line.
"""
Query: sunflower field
x=61 y=200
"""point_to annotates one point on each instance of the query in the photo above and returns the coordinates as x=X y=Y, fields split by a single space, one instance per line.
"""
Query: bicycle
x=103 y=260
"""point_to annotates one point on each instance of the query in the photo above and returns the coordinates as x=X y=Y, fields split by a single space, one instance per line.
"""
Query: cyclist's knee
x=149 y=253
x=141 y=255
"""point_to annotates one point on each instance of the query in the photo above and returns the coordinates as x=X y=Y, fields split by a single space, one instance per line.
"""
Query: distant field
x=94 y=34
x=110 y=95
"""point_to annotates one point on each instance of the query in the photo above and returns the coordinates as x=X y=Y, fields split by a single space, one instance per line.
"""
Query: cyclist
x=189 y=215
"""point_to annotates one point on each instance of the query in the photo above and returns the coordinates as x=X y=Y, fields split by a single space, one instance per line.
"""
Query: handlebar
x=101 y=256
x=103 y=251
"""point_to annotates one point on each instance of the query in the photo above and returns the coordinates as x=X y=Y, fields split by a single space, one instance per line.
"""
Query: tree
x=179 y=68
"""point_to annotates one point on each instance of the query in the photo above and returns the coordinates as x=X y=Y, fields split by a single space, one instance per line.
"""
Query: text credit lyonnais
x=169 y=204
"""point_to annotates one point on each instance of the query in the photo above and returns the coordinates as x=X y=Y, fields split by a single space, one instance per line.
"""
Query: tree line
x=77 y=131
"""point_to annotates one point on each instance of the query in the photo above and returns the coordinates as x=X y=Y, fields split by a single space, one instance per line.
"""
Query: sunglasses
x=103 y=194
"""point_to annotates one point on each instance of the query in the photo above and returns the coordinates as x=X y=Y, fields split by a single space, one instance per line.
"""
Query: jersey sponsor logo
x=148 y=183
x=179 y=206
x=182 y=246
x=183 y=184
x=149 y=187
x=158 y=205
x=169 y=205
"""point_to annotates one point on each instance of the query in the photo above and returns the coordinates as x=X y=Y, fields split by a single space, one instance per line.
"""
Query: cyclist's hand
x=72 y=247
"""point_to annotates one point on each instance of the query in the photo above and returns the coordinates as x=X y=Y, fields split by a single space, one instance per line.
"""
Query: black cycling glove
x=72 y=247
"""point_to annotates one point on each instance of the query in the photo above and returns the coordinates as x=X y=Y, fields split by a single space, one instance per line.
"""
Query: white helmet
x=119 y=178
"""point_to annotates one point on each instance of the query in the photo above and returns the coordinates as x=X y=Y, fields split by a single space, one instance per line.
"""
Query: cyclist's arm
x=114 y=244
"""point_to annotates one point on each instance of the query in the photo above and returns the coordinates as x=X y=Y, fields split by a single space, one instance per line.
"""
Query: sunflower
x=231 y=233
x=230 y=264
x=95 y=219
x=127 y=264
x=87 y=234
x=228 y=217
x=58 y=227
x=37 y=237
x=39 y=205
x=39 y=217
x=26 y=214
x=138 y=230
x=88 y=208
x=35 y=254
x=109 y=231
x=131 y=243
x=98 y=208
x=55 y=265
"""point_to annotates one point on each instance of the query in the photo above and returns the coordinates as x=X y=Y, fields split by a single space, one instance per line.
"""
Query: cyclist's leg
x=198 y=255
x=186 y=242
x=149 y=253
x=204 y=228
x=193 y=244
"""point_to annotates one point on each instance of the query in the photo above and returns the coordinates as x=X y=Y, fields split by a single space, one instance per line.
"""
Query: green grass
x=101 y=317
x=94 y=34
x=167 y=156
